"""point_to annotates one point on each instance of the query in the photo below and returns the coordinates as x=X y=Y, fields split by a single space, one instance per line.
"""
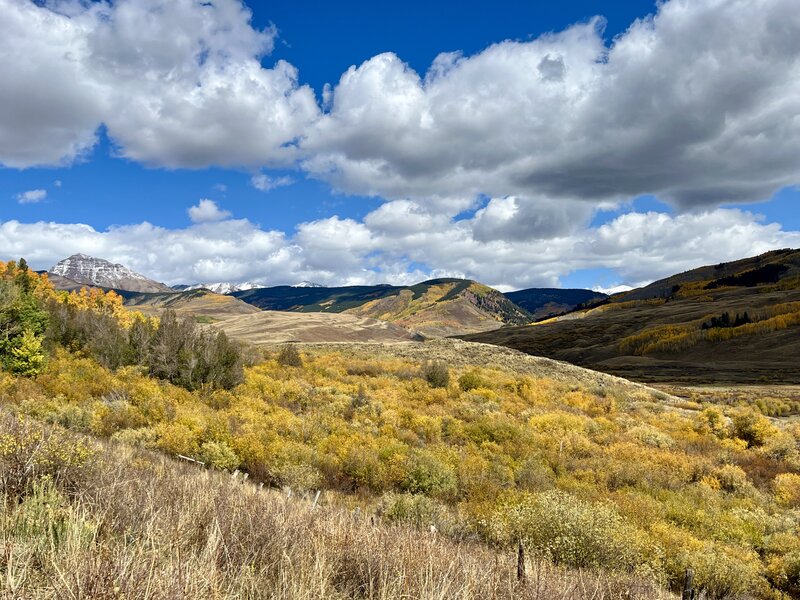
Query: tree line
x=35 y=319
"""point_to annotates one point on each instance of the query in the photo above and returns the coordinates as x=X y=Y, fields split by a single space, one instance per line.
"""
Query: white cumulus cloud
x=207 y=211
x=636 y=247
x=699 y=104
x=178 y=83
x=31 y=196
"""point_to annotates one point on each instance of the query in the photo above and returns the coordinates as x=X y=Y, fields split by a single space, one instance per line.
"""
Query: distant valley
x=435 y=308
x=732 y=322
x=431 y=309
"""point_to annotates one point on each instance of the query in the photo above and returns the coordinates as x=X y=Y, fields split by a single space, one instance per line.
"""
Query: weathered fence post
x=316 y=498
x=688 y=586
x=190 y=459
x=520 y=562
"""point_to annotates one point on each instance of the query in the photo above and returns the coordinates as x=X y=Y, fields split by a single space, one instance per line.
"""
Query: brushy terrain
x=487 y=447
x=98 y=520
x=609 y=480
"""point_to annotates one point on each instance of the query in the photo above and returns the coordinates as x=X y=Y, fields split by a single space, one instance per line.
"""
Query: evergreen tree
x=20 y=315
x=27 y=356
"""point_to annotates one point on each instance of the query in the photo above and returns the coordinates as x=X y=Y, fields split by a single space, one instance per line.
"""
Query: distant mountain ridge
x=434 y=308
x=221 y=287
x=88 y=270
x=547 y=302
x=227 y=287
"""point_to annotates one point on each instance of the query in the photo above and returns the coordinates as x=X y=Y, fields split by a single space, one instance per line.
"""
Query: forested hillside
x=547 y=302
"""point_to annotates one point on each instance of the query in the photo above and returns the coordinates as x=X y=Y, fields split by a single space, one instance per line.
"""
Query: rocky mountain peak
x=89 y=270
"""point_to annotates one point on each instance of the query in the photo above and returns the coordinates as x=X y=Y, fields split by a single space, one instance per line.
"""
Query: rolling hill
x=202 y=304
x=434 y=308
x=732 y=322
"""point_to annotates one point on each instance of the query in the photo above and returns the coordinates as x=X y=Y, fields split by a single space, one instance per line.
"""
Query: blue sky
x=322 y=41
x=360 y=192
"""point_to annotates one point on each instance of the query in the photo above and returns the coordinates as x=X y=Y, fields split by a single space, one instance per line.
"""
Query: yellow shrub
x=787 y=489
x=179 y=437
x=570 y=531
x=720 y=571
x=752 y=427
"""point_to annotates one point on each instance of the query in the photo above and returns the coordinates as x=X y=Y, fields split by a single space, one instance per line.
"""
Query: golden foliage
x=673 y=338
x=680 y=487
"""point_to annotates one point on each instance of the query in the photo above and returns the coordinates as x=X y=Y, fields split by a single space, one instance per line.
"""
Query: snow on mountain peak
x=100 y=272
x=224 y=287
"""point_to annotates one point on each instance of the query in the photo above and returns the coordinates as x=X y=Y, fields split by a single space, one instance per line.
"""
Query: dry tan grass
x=141 y=526
x=275 y=326
x=194 y=303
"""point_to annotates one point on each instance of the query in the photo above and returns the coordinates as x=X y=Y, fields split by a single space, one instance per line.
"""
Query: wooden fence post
x=688 y=586
x=190 y=459
x=520 y=562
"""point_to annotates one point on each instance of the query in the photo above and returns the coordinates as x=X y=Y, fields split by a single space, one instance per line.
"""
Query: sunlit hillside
x=735 y=322
x=433 y=308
